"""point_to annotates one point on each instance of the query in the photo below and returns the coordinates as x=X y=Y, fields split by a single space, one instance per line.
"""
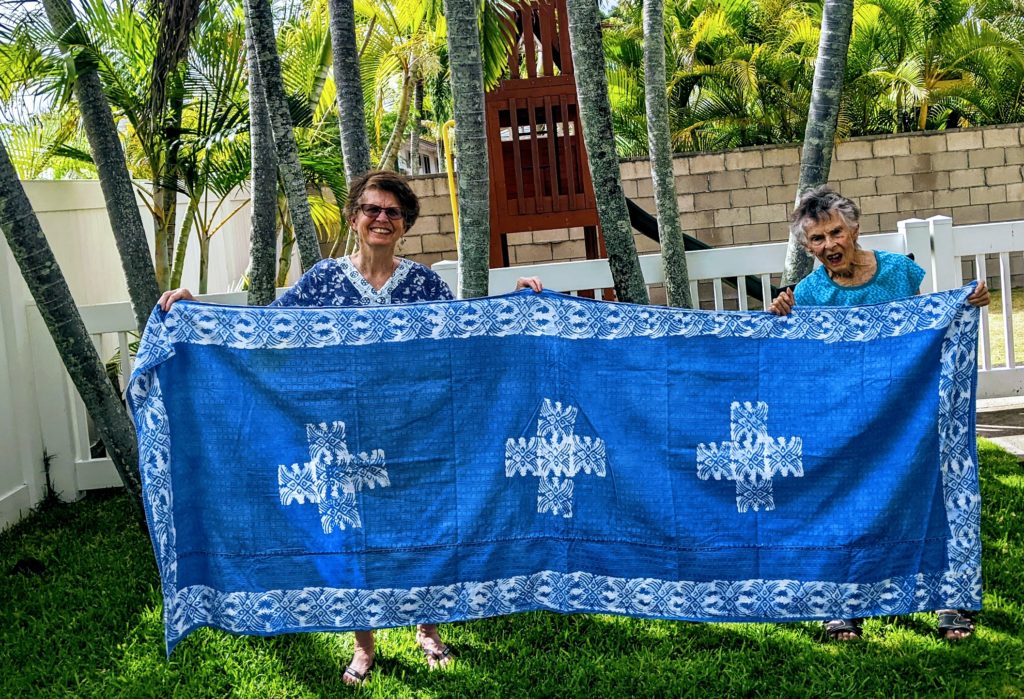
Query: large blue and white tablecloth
x=353 y=468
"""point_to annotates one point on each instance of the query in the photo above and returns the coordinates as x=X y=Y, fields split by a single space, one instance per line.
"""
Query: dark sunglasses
x=373 y=211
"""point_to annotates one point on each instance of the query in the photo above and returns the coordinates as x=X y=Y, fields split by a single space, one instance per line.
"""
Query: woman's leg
x=436 y=652
x=358 y=670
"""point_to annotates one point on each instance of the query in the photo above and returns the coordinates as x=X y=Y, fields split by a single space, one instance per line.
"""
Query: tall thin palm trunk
x=261 y=18
x=122 y=208
x=673 y=251
x=417 y=128
x=263 y=241
x=389 y=158
x=165 y=190
x=822 y=117
x=355 y=145
x=467 y=76
x=182 y=245
x=53 y=299
x=284 y=262
x=599 y=138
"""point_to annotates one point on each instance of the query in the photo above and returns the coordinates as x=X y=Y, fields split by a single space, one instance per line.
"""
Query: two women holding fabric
x=382 y=207
x=828 y=225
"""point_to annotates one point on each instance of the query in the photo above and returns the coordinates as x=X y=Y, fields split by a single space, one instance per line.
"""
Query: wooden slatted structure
x=540 y=179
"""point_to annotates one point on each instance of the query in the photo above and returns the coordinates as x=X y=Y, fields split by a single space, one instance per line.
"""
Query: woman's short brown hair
x=385 y=181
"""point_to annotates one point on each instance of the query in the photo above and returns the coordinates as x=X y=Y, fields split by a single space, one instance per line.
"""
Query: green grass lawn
x=87 y=623
x=997 y=332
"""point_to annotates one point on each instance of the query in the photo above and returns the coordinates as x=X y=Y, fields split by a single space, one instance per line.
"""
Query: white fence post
x=945 y=264
x=917 y=234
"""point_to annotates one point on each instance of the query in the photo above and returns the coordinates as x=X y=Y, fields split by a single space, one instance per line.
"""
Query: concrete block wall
x=745 y=196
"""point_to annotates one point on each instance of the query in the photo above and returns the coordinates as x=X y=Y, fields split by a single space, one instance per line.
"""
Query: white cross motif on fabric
x=332 y=476
x=752 y=458
x=555 y=455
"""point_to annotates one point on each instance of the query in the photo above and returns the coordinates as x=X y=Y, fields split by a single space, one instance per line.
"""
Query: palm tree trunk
x=599 y=138
x=355 y=146
x=284 y=263
x=673 y=251
x=826 y=93
x=204 y=262
x=53 y=298
x=467 y=76
x=165 y=192
x=263 y=240
x=260 y=16
x=417 y=126
x=389 y=159
x=182 y=247
x=122 y=208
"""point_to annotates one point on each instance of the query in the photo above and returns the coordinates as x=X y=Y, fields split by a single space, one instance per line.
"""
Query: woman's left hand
x=531 y=282
x=980 y=297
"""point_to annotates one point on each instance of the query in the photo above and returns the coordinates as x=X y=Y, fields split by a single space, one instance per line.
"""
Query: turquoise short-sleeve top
x=897 y=277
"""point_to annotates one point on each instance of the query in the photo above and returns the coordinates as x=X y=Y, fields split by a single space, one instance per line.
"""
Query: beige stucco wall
x=745 y=196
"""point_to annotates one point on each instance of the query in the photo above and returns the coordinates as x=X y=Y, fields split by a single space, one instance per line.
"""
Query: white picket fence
x=936 y=244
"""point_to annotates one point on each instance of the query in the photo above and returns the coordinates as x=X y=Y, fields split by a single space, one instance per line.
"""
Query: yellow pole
x=450 y=161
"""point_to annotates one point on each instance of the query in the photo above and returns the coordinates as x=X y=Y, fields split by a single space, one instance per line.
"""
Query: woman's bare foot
x=437 y=653
x=358 y=671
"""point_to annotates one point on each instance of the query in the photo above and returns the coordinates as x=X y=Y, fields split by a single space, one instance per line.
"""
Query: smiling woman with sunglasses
x=381 y=208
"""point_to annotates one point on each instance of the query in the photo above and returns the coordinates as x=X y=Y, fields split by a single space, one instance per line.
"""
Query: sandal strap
x=445 y=652
x=833 y=627
x=954 y=620
x=359 y=676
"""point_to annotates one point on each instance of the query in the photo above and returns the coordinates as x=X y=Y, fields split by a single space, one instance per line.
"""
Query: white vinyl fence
x=47 y=414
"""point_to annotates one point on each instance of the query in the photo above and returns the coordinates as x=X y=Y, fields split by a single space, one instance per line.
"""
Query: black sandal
x=359 y=677
x=435 y=658
x=954 y=620
x=834 y=627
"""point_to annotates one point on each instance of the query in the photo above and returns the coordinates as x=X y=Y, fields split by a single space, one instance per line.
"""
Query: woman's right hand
x=783 y=303
x=169 y=297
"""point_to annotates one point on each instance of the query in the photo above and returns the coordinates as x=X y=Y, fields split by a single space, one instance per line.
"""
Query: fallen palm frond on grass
x=80 y=615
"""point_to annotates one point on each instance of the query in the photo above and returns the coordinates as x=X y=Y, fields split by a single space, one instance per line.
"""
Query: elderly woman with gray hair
x=828 y=225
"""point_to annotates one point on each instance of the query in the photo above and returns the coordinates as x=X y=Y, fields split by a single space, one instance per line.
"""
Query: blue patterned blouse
x=897 y=277
x=337 y=282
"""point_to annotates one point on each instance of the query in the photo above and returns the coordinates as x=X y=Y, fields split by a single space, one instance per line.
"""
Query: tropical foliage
x=740 y=71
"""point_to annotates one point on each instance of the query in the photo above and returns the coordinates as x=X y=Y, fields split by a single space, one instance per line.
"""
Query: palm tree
x=467 y=78
x=816 y=159
x=258 y=14
x=599 y=138
x=673 y=250
x=108 y=156
x=263 y=240
x=53 y=298
x=351 y=112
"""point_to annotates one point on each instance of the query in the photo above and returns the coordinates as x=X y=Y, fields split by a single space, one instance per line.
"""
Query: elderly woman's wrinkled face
x=834 y=242
x=379 y=220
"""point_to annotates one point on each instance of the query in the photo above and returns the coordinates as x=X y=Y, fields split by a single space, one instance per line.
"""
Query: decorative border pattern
x=317 y=608
x=546 y=314
x=279 y=611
